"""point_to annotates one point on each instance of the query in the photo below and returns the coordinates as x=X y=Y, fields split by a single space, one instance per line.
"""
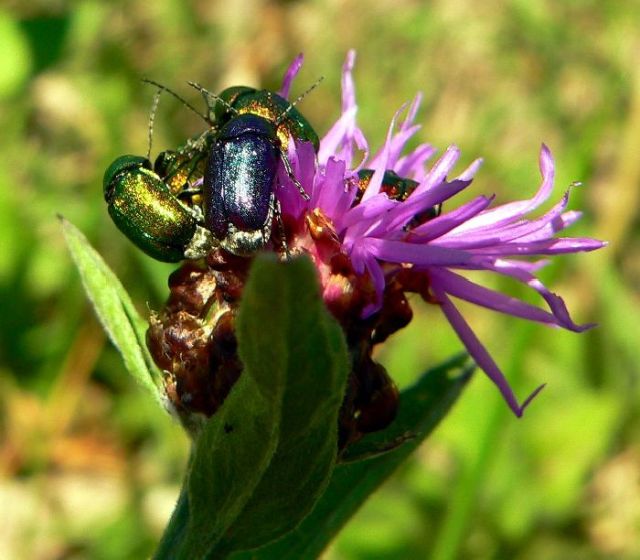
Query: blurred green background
x=89 y=469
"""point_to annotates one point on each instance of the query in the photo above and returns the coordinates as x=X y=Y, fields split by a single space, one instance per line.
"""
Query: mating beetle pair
x=217 y=189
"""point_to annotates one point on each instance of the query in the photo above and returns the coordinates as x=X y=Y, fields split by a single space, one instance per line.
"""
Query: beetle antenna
x=298 y=99
x=183 y=101
x=152 y=118
x=208 y=95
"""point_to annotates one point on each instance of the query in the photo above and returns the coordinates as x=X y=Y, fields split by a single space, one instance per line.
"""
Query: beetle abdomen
x=144 y=209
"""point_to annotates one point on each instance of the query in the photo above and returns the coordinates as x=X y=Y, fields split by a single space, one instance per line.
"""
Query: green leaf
x=421 y=408
x=230 y=457
x=268 y=453
x=317 y=369
x=238 y=442
x=426 y=401
x=115 y=310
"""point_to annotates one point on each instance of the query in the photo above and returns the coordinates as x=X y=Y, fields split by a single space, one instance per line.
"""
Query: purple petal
x=489 y=263
x=345 y=135
x=377 y=276
x=470 y=171
x=439 y=171
x=344 y=203
x=446 y=222
x=348 y=87
x=404 y=213
x=362 y=145
x=507 y=213
x=528 y=266
x=376 y=205
x=413 y=163
x=544 y=247
x=352 y=237
x=329 y=191
x=479 y=353
x=290 y=74
x=413 y=110
x=373 y=188
x=551 y=221
x=306 y=164
x=337 y=135
x=525 y=230
x=556 y=303
x=380 y=162
x=424 y=255
x=395 y=143
x=462 y=288
x=398 y=143
x=560 y=223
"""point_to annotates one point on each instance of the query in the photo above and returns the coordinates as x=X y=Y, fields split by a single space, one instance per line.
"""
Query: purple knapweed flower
x=371 y=246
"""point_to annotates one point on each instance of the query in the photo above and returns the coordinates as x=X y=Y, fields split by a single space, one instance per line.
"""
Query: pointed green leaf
x=421 y=409
x=268 y=453
x=115 y=310
x=317 y=369
x=235 y=448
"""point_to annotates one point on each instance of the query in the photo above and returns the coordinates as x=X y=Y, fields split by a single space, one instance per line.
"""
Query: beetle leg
x=195 y=211
x=201 y=243
x=191 y=190
x=277 y=214
x=289 y=170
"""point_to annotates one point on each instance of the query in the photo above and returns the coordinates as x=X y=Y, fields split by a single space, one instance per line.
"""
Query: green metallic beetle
x=142 y=206
x=239 y=100
x=182 y=170
x=396 y=188
x=158 y=208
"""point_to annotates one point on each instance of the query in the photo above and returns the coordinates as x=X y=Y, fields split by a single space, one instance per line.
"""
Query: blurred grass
x=89 y=470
